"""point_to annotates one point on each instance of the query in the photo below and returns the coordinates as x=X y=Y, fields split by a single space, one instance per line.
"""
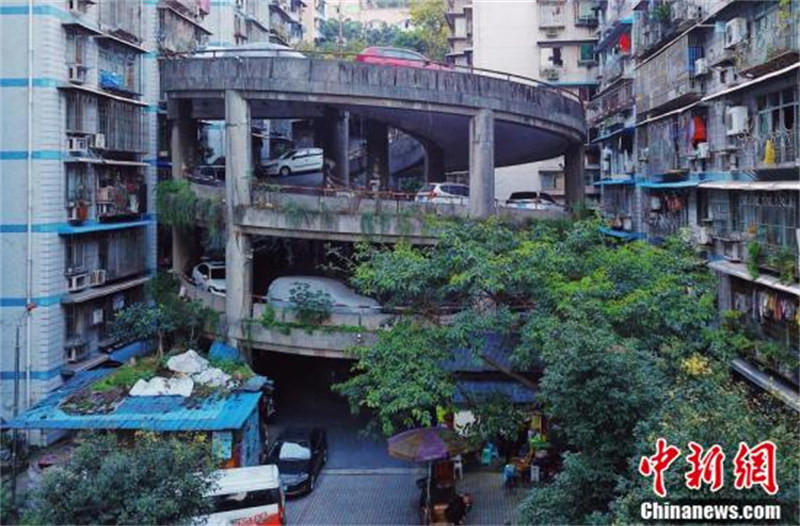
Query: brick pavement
x=390 y=496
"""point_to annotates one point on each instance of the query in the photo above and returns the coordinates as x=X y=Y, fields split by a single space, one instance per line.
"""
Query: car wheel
x=285 y=171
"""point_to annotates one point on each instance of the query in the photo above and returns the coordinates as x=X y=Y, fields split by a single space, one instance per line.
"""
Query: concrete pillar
x=574 y=184
x=183 y=145
x=481 y=165
x=332 y=134
x=378 y=153
x=238 y=251
x=434 y=162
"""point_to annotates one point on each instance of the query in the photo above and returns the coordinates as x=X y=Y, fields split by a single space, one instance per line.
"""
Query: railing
x=779 y=148
x=613 y=68
x=768 y=44
x=612 y=101
x=425 y=64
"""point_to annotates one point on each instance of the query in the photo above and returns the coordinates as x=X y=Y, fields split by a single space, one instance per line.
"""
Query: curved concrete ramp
x=531 y=122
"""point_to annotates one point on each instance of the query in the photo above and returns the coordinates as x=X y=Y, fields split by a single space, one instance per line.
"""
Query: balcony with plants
x=663 y=20
x=121 y=195
x=772 y=43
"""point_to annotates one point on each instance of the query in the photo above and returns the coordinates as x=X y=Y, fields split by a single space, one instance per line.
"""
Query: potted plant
x=539 y=445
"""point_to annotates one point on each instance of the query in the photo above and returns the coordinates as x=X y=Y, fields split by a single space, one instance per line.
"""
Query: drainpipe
x=29 y=269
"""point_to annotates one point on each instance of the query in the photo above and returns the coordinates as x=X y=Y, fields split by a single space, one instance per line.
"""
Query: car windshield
x=427 y=188
x=217 y=273
x=288 y=154
x=294 y=451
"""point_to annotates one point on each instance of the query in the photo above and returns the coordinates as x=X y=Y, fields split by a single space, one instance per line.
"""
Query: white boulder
x=212 y=376
x=160 y=386
x=187 y=363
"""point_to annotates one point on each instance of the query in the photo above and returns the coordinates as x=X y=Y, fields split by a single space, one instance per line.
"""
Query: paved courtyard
x=390 y=496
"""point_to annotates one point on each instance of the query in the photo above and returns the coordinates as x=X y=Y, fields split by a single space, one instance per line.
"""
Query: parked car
x=299 y=454
x=450 y=193
x=210 y=276
x=249 y=495
x=254 y=50
x=296 y=161
x=392 y=56
x=534 y=201
x=343 y=298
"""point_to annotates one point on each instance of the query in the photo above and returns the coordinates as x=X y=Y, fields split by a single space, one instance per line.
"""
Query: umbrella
x=426 y=444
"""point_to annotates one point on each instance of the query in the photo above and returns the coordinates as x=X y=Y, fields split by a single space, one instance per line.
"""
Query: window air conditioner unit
x=76 y=352
x=97 y=316
x=77 y=74
x=98 y=276
x=736 y=120
x=76 y=144
x=700 y=67
x=703 y=150
x=735 y=31
x=99 y=141
x=77 y=282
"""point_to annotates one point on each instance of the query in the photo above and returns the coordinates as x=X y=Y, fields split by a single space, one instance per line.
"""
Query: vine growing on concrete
x=179 y=207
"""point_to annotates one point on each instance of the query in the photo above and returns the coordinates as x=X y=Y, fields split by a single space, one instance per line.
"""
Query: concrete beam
x=378 y=153
x=574 y=184
x=238 y=250
x=183 y=146
x=434 y=162
x=481 y=165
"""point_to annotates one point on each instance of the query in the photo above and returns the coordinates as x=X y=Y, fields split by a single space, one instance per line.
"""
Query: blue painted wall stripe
x=22 y=82
x=66 y=228
x=35 y=375
x=44 y=9
x=41 y=301
x=21 y=155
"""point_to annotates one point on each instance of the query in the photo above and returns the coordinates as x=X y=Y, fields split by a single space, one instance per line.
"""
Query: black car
x=299 y=454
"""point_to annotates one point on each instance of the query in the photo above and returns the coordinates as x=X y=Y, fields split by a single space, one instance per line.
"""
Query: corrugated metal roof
x=155 y=413
x=754 y=186
x=495 y=348
x=475 y=390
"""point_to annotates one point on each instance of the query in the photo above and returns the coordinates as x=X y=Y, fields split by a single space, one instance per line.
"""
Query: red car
x=392 y=56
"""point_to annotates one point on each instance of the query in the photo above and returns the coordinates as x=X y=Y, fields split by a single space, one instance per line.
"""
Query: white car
x=210 y=276
x=534 y=201
x=344 y=299
x=449 y=193
x=254 y=50
x=296 y=161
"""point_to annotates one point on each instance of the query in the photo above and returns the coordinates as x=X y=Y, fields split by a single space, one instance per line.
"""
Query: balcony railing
x=610 y=102
x=613 y=68
x=120 y=200
x=773 y=150
x=770 y=49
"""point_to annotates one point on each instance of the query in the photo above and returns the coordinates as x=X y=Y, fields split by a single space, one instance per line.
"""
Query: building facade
x=82 y=140
x=697 y=122
x=548 y=41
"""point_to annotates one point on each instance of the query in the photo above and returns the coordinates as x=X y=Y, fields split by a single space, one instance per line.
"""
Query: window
x=76 y=257
x=551 y=14
x=777 y=112
x=587 y=54
x=555 y=57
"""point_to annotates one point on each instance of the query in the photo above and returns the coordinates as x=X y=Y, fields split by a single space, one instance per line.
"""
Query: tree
x=156 y=480
x=614 y=328
x=141 y=321
x=429 y=22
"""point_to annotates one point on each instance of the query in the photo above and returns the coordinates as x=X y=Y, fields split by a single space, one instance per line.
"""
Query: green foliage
x=239 y=370
x=786 y=264
x=400 y=379
x=497 y=415
x=125 y=377
x=310 y=306
x=296 y=214
x=754 y=254
x=179 y=207
x=155 y=481
x=141 y=321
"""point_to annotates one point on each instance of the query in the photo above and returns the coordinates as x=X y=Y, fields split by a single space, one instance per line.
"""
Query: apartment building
x=551 y=41
x=313 y=16
x=698 y=130
x=82 y=139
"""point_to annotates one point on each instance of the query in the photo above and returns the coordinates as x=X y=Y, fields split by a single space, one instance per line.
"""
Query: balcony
x=121 y=200
x=776 y=150
x=613 y=68
x=667 y=81
x=770 y=49
x=610 y=102
x=663 y=21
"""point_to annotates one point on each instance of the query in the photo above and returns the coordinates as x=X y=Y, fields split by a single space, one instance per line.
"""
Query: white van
x=250 y=496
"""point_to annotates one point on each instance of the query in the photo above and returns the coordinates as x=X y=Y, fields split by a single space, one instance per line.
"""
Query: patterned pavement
x=390 y=496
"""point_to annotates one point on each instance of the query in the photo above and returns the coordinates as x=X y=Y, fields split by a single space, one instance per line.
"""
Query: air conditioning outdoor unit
x=77 y=74
x=700 y=67
x=736 y=120
x=735 y=31
x=97 y=316
x=76 y=352
x=98 y=276
x=99 y=141
x=77 y=282
x=550 y=74
x=77 y=144
x=703 y=150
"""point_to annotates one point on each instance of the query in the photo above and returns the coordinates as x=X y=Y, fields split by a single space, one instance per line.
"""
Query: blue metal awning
x=153 y=413
x=613 y=182
x=477 y=390
x=667 y=186
x=93 y=226
x=123 y=354
x=625 y=236
x=624 y=129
